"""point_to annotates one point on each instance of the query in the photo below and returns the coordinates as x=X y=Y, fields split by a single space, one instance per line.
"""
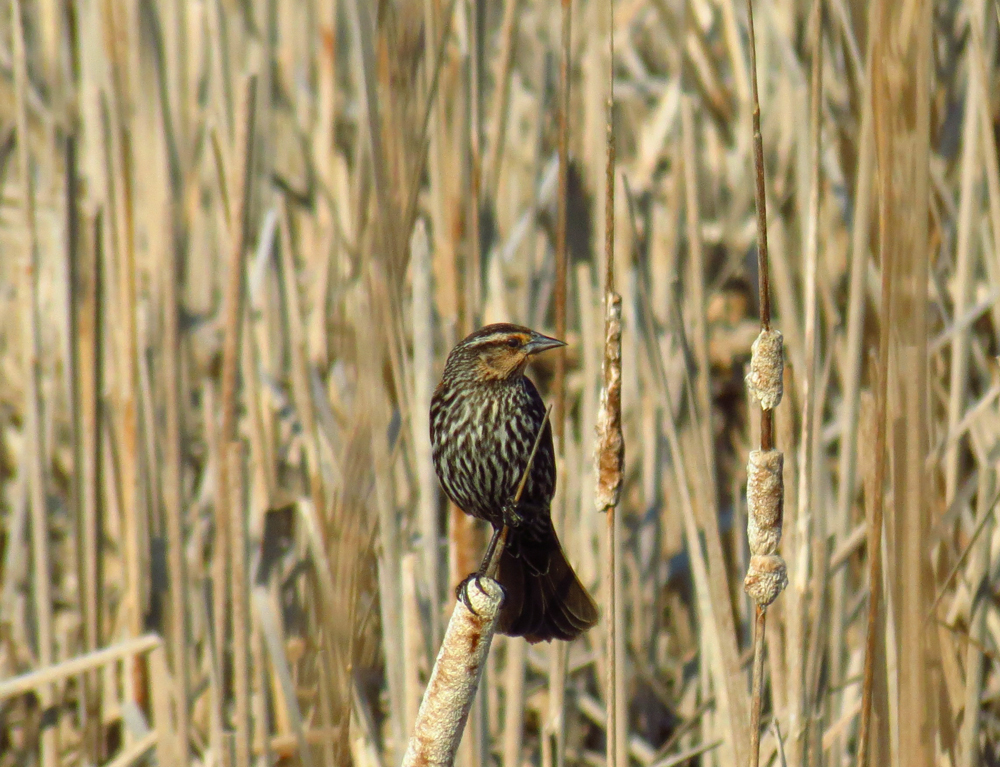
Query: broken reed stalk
x=767 y=575
x=455 y=677
x=609 y=457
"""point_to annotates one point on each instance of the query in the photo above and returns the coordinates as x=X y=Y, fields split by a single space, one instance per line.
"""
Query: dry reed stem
x=130 y=755
x=474 y=20
x=235 y=291
x=34 y=456
x=121 y=177
x=609 y=458
x=300 y=365
x=423 y=382
x=609 y=454
x=903 y=139
x=10 y=688
x=501 y=97
x=562 y=205
x=805 y=529
x=514 y=697
x=173 y=501
x=239 y=592
x=554 y=731
x=848 y=468
x=610 y=448
x=83 y=358
x=726 y=672
x=866 y=742
x=152 y=93
x=267 y=620
x=764 y=582
x=696 y=282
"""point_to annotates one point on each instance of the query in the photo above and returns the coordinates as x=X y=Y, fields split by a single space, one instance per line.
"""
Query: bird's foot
x=462 y=590
x=511 y=517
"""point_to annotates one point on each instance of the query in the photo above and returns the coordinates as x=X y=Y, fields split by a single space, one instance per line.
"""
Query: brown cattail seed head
x=766 y=369
x=609 y=458
x=766 y=578
x=765 y=500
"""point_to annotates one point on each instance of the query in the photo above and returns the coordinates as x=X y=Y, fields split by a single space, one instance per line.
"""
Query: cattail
x=766 y=576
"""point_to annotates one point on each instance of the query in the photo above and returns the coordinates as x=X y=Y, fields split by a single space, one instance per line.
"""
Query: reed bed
x=237 y=241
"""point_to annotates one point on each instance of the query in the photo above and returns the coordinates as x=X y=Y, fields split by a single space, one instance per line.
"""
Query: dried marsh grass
x=237 y=240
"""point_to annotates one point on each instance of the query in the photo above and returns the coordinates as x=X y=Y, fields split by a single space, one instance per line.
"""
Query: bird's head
x=500 y=352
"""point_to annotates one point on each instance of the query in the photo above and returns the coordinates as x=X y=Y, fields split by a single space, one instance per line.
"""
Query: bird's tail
x=544 y=599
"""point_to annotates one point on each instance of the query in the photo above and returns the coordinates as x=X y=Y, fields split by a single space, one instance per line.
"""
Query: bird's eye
x=514 y=342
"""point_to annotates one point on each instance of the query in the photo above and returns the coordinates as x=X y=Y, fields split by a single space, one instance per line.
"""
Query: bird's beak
x=540 y=343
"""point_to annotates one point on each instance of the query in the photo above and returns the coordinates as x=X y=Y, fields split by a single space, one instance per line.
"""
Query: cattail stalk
x=766 y=575
x=455 y=678
x=609 y=457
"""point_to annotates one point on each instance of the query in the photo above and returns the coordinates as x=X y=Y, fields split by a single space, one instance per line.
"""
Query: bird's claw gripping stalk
x=462 y=590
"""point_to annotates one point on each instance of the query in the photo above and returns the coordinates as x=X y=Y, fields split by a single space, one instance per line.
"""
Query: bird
x=484 y=420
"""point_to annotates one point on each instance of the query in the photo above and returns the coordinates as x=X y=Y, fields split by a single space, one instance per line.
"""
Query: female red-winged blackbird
x=485 y=416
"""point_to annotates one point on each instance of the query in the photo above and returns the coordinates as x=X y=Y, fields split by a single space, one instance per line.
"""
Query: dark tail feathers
x=544 y=598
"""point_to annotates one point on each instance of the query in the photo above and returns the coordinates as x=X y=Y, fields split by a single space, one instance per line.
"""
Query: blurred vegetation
x=243 y=465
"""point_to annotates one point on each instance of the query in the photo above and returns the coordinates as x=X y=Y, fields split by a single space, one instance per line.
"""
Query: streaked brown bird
x=485 y=415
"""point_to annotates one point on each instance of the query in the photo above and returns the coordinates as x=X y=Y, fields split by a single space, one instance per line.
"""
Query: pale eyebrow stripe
x=492 y=338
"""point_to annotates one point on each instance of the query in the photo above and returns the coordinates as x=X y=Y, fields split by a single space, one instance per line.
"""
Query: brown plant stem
x=878 y=484
x=562 y=205
x=233 y=314
x=766 y=417
x=610 y=453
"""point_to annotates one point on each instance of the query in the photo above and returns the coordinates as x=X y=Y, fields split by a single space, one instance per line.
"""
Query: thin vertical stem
x=34 y=444
x=234 y=299
x=501 y=95
x=881 y=398
x=120 y=26
x=474 y=275
x=561 y=222
x=423 y=386
x=241 y=602
x=92 y=354
x=613 y=414
x=554 y=742
x=763 y=273
x=804 y=529
x=766 y=415
x=128 y=387
x=760 y=626
x=298 y=352
x=81 y=370
x=173 y=500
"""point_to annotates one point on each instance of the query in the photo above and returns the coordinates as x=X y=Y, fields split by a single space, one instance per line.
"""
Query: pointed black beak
x=540 y=343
